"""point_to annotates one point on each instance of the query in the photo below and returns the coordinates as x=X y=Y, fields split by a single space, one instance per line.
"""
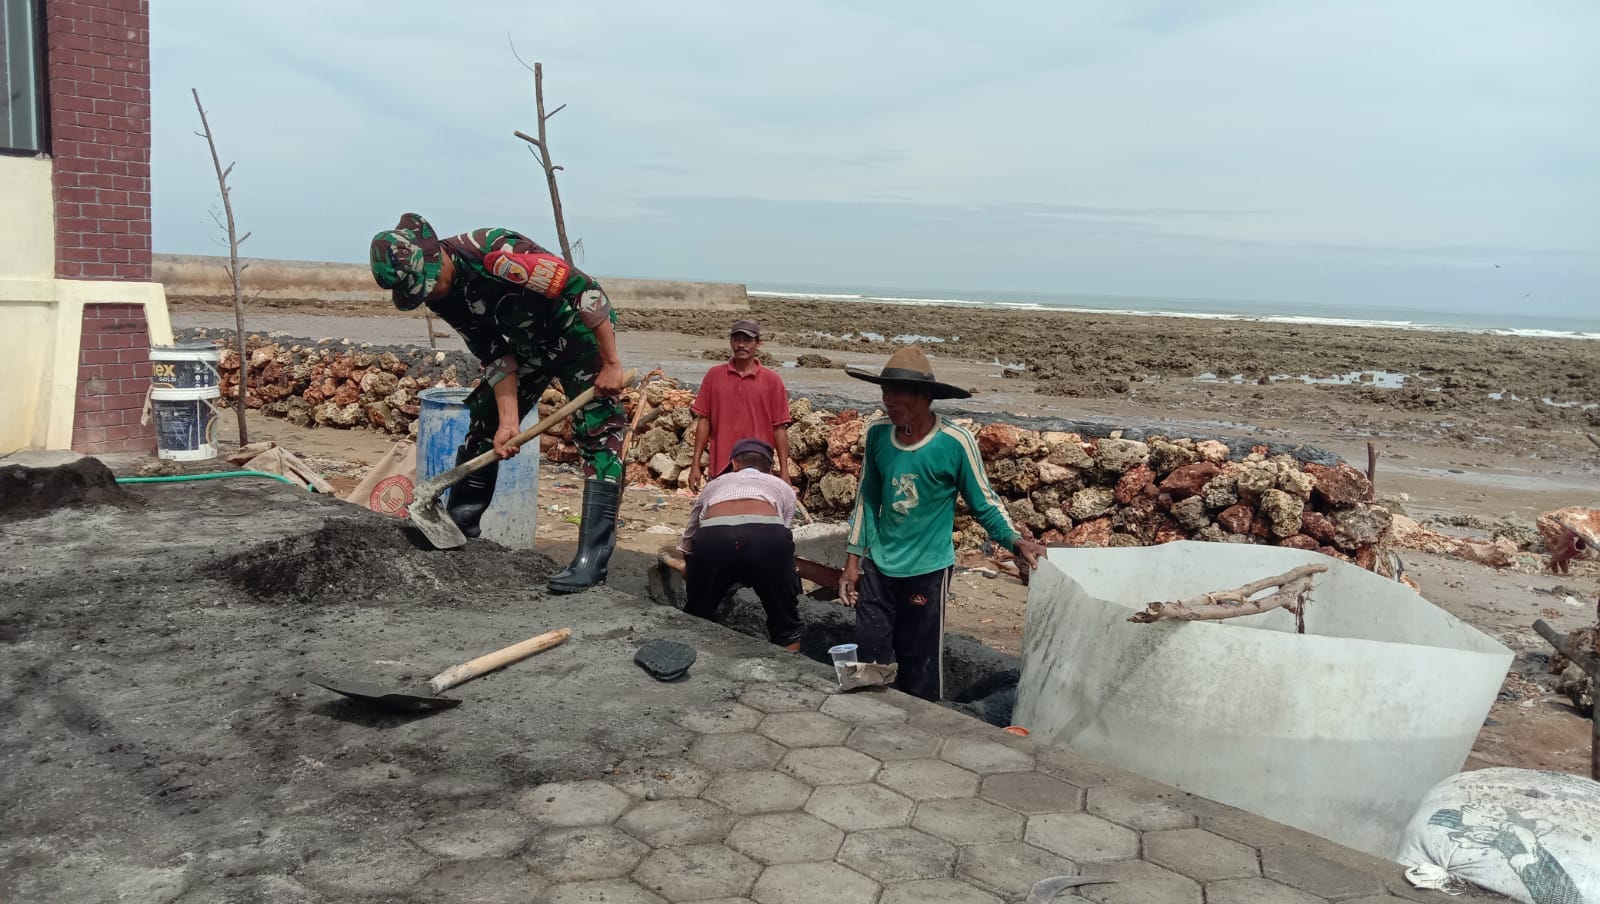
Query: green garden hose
x=215 y=475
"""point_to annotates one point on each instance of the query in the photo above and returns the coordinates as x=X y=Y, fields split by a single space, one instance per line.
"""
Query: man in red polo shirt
x=740 y=400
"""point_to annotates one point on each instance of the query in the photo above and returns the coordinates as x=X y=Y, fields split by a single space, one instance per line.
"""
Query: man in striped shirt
x=900 y=552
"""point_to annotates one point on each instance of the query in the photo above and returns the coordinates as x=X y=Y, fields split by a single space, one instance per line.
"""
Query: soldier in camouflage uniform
x=529 y=316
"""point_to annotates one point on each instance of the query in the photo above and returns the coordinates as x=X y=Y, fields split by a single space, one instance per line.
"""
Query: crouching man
x=739 y=533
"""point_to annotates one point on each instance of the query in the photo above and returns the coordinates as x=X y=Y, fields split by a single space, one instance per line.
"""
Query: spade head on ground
x=383 y=698
x=665 y=660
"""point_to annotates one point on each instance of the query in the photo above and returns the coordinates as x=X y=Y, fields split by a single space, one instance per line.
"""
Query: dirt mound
x=31 y=492
x=370 y=562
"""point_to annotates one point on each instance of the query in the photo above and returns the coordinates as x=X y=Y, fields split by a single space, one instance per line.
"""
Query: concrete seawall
x=196 y=276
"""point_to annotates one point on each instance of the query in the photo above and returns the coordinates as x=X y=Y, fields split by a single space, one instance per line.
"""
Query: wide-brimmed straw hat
x=909 y=367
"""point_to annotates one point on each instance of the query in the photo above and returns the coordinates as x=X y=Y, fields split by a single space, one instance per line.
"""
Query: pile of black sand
x=376 y=560
x=31 y=492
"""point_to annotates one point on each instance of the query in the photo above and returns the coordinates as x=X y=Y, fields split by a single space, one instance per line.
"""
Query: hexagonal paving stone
x=1139 y=882
x=671 y=823
x=893 y=741
x=1081 y=838
x=657 y=778
x=611 y=891
x=1032 y=793
x=722 y=721
x=968 y=820
x=562 y=804
x=897 y=855
x=854 y=807
x=585 y=853
x=928 y=779
x=1257 y=891
x=698 y=871
x=804 y=729
x=1200 y=855
x=734 y=752
x=1010 y=868
x=479 y=881
x=744 y=793
x=785 y=838
x=829 y=766
x=1319 y=876
x=937 y=891
x=985 y=757
x=475 y=835
x=1136 y=811
x=782 y=698
x=861 y=707
x=808 y=883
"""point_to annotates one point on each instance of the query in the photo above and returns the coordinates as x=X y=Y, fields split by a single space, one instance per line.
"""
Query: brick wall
x=99 y=94
x=113 y=377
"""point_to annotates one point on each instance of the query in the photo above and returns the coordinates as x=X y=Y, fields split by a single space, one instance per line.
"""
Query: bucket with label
x=187 y=365
x=513 y=515
x=186 y=422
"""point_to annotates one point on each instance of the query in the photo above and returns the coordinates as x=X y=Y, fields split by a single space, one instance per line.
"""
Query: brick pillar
x=113 y=377
x=98 y=54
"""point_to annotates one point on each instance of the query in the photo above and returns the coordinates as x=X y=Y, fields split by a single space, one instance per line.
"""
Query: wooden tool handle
x=544 y=425
x=466 y=671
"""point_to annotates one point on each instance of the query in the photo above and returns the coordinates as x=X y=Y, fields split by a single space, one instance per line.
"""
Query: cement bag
x=1531 y=836
x=387 y=488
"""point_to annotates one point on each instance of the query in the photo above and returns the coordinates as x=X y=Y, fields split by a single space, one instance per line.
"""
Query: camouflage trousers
x=598 y=428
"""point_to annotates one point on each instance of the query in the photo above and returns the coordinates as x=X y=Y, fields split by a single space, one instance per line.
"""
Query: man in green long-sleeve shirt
x=900 y=555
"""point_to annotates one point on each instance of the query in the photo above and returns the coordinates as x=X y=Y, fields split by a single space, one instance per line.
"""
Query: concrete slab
x=155 y=720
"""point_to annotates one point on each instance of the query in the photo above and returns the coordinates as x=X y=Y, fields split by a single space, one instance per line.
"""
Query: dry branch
x=542 y=147
x=234 y=270
x=1593 y=439
x=1292 y=587
x=1589 y=664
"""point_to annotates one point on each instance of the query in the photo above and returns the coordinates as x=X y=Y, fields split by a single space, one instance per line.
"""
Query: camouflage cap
x=405 y=259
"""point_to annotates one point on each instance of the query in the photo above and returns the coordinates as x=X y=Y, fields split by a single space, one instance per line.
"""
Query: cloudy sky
x=1369 y=152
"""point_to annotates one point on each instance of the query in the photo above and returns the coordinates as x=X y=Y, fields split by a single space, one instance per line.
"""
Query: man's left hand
x=1029 y=551
x=609 y=382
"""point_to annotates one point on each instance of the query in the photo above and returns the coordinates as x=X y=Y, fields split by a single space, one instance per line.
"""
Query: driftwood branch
x=1591 y=665
x=1290 y=587
x=1372 y=465
x=234 y=269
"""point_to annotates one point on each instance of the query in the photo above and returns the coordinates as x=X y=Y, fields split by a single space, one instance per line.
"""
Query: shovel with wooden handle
x=401 y=701
x=427 y=500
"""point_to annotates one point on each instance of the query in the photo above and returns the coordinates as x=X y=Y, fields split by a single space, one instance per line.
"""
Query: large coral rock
x=1091 y=503
x=1296 y=483
x=1255 y=478
x=1051 y=473
x=1363 y=525
x=1115 y=456
x=838 y=491
x=1212 y=451
x=1189 y=480
x=1191 y=513
x=998 y=440
x=1023 y=512
x=1068 y=452
x=1220 y=492
x=1090 y=533
x=1133 y=482
x=1013 y=476
x=1340 y=485
x=1237 y=519
x=1165 y=456
x=1283 y=512
x=1299 y=541
x=1317 y=526
x=845 y=446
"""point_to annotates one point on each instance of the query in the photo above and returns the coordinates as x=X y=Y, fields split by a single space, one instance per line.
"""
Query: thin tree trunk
x=549 y=168
x=234 y=271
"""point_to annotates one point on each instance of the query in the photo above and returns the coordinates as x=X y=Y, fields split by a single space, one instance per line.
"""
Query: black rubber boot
x=597 y=535
x=471 y=497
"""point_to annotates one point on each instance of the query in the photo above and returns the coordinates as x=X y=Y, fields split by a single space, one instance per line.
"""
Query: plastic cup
x=843 y=655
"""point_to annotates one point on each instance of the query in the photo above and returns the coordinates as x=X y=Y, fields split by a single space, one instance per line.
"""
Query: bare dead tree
x=541 y=149
x=427 y=315
x=235 y=270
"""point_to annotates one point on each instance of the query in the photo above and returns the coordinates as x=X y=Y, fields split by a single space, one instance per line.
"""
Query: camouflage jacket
x=498 y=317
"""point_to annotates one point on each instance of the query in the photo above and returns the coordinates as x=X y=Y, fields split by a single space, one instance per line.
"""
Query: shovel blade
x=381 y=698
x=428 y=514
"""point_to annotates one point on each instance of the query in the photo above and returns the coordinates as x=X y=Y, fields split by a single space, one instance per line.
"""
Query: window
x=22 y=111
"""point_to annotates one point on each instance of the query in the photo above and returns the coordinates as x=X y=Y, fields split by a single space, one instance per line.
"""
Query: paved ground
x=159 y=742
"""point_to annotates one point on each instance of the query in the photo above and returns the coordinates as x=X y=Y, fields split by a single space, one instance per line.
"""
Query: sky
x=1424 y=154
